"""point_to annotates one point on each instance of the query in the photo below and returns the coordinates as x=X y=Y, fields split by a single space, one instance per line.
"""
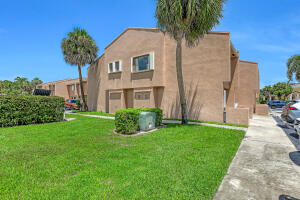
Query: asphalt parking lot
x=288 y=129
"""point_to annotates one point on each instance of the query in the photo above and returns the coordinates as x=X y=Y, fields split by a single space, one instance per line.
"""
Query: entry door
x=128 y=98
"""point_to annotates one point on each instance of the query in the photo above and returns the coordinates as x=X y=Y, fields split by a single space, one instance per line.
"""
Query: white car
x=293 y=112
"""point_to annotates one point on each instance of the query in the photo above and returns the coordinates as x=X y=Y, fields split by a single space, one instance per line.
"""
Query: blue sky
x=31 y=32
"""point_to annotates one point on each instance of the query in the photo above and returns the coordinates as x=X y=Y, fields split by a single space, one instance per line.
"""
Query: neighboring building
x=68 y=88
x=138 y=69
x=296 y=92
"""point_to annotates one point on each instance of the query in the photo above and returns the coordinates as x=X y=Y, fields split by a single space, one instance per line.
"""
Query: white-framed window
x=73 y=87
x=142 y=63
x=115 y=66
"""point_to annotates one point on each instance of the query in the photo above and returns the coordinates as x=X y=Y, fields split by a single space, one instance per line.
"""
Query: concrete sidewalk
x=262 y=168
x=170 y=122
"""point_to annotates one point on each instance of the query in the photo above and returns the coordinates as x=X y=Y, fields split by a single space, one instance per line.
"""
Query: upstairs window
x=115 y=66
x=111 y=67
x=73 y=87
x=142 y=63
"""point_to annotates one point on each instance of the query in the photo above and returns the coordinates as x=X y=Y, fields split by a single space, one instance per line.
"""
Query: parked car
x=293 y=112
x=285 y=110
x=71 y=104
x=297 y=126
x=276 y=104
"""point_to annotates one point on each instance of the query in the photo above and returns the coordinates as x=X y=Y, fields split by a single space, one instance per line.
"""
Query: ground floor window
x=142 y=95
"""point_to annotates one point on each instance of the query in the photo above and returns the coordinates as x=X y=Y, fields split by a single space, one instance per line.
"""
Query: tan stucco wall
x=207 y=68
x=63 y=88
x=93 y=83
x=239 y=116
x=244 y=88
x=262 y=109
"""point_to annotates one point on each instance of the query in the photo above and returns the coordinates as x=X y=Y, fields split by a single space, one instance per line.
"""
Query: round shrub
x=126 y=120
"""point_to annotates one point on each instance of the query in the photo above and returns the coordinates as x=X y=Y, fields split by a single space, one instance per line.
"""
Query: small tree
x=36 y=81
x=282 y=90
x=79 y=49
x=267 y=92
x=293 y=67
x=189 y=20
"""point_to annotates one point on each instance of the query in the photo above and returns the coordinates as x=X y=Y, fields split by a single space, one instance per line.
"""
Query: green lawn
x=84 y=159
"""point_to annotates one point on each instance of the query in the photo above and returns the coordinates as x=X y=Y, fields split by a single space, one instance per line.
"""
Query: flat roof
x=64 y=80
x=246 y=61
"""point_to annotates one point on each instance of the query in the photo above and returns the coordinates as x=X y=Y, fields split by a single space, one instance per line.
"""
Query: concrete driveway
x=267 y=165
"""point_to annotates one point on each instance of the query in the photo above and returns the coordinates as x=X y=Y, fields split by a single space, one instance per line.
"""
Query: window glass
x=142 y=95
x=117 y=66
x=115 y=95
x=111 y=68
x=142 y=63
x=73 y=87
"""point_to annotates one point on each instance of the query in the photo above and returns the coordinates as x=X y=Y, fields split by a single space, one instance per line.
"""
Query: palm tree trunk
x=180 y=81
x=84 y=105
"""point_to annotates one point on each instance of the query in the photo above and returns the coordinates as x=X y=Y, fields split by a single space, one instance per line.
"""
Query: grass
x=208 y=122
x=84 y=159
x=93 y=113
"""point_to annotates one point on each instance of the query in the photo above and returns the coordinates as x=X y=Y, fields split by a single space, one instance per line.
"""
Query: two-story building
x=138 y=69
x=67 y=88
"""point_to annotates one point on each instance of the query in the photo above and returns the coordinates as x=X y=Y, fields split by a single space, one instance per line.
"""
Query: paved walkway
x=262 y=168
x=170 y=122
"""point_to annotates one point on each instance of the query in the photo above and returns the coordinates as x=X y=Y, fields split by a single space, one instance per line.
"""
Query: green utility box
x=147 y=121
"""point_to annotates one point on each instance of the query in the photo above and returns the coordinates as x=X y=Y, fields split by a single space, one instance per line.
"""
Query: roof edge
x=132 y=28
x=64 y=80
x=246 y=61
x=157 y=30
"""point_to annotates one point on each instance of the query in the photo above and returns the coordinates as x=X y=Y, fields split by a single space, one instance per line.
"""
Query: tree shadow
x=194 y=106
x=295 y=157
x=287 y=197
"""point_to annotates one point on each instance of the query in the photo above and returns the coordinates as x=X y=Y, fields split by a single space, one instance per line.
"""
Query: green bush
x=126 y=120
x=23 y=110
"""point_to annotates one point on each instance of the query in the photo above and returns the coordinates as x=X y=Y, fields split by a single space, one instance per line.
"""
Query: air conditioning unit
x=147 y=121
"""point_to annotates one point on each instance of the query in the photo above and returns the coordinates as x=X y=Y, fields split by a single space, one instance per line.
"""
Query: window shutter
x=108 y=68
x=152 y=60
x=136 y=64
x=131 y=64
x=114 y=67
x=120 y=65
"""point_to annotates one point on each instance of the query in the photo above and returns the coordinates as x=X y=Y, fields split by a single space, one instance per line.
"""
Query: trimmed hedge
x=23 y=110
x=126 y=120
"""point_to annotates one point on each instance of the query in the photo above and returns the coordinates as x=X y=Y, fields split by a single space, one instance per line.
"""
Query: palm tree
x=36 y=81
x=79 y=49
x=189 y=20
x=293 y=67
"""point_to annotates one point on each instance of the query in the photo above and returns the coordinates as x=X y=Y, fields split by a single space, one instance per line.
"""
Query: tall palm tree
x=79 y=49
x=293 y=67
x=187 y=20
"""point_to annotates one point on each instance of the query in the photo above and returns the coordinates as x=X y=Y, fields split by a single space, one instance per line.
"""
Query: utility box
x=147 y=121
